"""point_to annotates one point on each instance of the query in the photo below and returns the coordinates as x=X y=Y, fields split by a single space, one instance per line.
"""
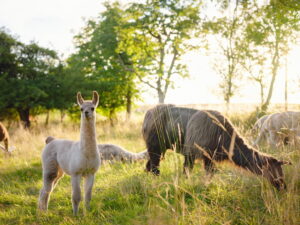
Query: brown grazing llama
x=213 y=138
x=4 y=136
x=207 y=135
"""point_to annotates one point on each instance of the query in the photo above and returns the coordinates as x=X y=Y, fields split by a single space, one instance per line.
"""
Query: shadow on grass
x=16 y=184
x=22 y=176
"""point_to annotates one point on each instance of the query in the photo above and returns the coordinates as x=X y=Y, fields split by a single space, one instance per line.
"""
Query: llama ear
x=79 y=99
x=95 y=100
x=282 y=162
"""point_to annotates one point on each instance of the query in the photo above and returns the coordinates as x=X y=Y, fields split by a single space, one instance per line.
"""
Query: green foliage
x=270 y=31
x=8 y=45
x=228 y=30
x=32 y=78
x=99 y=60
x=253 y=36
x=157 y=34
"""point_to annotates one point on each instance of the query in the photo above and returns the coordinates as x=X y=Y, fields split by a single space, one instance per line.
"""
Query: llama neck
x=248 y=158
x=88 y=141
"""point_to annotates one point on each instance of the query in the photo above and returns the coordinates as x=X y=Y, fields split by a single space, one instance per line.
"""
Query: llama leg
x=153 y=162
x=6 y=144
x=188 y=165
x=76 y=193
x=88 y=185
x=273 y=139
x=258 y=139
x=209 y=166
x=287 y=140
x=60 y=174
x=49 y=178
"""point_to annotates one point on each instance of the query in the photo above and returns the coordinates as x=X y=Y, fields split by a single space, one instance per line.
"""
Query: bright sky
x=53 y=23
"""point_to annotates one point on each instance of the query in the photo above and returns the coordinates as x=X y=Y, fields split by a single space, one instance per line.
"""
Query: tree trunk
x=128 y=104
x=262 y=94
x=161 y=96
x=227 y=105
x=47 y=118
x=111 y=117
x=275 y=65
x=62 y=115
x=24 y=116
x=286 y=86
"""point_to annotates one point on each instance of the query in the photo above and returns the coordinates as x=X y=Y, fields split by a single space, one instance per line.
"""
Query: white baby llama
x=77 y=159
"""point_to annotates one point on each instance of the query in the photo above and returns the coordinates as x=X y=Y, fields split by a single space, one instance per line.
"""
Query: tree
x=23 y=72
x=255 y=64
x=103 y=63
x=272 y=28
x=157 y=34
x=8 y=67
x=228 y=30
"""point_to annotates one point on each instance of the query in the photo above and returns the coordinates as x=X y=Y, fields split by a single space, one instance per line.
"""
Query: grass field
x=125 y=194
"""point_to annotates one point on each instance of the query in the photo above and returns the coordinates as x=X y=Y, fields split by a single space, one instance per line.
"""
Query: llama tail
x=49 y=139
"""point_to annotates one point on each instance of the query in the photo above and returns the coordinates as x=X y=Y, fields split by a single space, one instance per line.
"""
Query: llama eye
x=81 y=109
x=92 y=108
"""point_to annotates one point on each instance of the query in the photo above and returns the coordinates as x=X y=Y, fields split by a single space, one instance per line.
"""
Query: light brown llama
x=280 y=129
x=4 y=136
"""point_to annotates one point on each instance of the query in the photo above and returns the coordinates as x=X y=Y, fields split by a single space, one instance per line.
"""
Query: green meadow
x=124 y=193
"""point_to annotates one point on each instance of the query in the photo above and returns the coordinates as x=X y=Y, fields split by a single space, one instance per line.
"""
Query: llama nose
x=86 y=113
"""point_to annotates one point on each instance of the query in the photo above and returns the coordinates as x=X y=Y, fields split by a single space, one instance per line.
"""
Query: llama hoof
x=75 y=213
x=187 y=175
x=155 y=171
x=87 y=207
x=42 y=208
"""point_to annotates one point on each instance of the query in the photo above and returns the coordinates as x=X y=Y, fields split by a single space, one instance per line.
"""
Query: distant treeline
x=129 y=48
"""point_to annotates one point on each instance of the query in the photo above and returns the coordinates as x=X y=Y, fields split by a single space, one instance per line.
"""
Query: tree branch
x=146 y=82
x=130 y=69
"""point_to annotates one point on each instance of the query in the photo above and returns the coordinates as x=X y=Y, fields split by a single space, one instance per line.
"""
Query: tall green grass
x=126 y=194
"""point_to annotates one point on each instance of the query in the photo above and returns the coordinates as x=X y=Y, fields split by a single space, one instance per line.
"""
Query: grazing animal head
x=49 y=139
x=272 y=171
x=88 y=108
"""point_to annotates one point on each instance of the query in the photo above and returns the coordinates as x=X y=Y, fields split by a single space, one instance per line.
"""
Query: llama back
x=218 y=138
x=154 y=116
x=62 y=151
x=289 y=120
x=213 y=132
x=200 y=129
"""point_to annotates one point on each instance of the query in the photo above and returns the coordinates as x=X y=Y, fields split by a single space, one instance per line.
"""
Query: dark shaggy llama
x=207 y=135
x=164 y=127
x=4 y=136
